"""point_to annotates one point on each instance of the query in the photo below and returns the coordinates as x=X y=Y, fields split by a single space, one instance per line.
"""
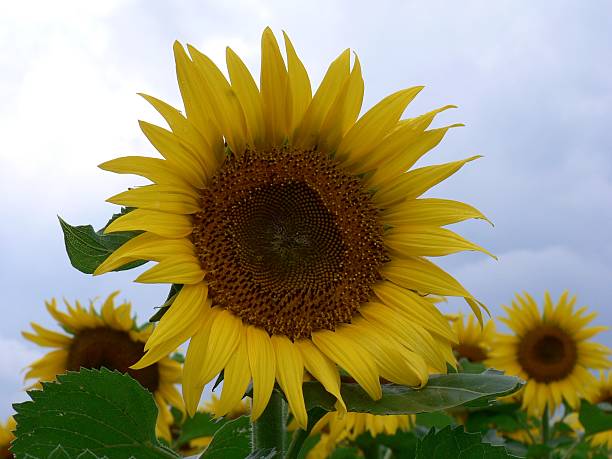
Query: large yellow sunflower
x=550 y=350
x=6 y=437
x=295 y=229
x=473 y=340
x=336 y=427
x=108 y=339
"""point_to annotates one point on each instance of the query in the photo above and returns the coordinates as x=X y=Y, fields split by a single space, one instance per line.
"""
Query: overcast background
x=533 y=82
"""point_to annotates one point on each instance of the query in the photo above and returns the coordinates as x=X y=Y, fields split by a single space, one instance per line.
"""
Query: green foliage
x=95 y=412
x=437 y=419
x=506 y=417
x=401 y=445
x=441 y=392
x=231 y=441
x=456 y=443
x=595 y=418
x=87 y=248
x=58 y=453
x=200 y=425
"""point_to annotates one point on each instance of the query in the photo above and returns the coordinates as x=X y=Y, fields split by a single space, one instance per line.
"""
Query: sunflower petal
x=416 y=182
x=372 y=127
x=183 y=270
x=160 y=223
x=298 y=87
x=290 y=374
x=430 y=212
x=262 y=361
x=155 y=169
x=237 y=376
x=165 y=198
x=273 y=89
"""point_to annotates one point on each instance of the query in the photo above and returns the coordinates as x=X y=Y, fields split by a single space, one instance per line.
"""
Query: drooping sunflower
x=109 y=338
x=295 y=230
x=550 y=350
x=473 y=340
x=6 y=437
x=335 y=427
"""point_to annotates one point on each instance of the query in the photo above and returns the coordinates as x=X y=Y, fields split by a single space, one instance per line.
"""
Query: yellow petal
x=237 y=377
x=273 y=89
x=146 y=246
x=430 y=241
x=246 y=90
x=416 y=182
x=290 y=374
x=225 y=104
x=183 y=270
x=47 y=338
x=401 y=150
x=160 y=223
x=430 y=211
x=298 y=87
x=323 y=369
x=352 y=356
x=197 y=105
x=181 y=320
x=262 y=361
x=166 y=198
x=222 y=342
x=185 y=129
x=155 y=169
x=415 y=307
x=344 y=111
x=372 y=127
x=307 y=133
x=179 y=154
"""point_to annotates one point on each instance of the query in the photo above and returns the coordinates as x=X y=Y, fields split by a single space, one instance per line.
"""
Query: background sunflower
x=6 y=437
x=473 y=340
x=550 y=350
x=109 y=338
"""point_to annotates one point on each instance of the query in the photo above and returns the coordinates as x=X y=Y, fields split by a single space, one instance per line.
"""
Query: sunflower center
x=5 y=453
x=547 y=353
x=289 y=241
x=472 y=352
x=113 y=349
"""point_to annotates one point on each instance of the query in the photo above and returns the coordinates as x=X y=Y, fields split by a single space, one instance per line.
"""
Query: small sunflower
x=602 y=392
x=473 y=341
x=295 y=230
x=6 y=437
x=108 y=339
x=336 y=427
x=550 y=350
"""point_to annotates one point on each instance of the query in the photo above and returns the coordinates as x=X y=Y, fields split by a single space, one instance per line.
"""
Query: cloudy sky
x=531 y=79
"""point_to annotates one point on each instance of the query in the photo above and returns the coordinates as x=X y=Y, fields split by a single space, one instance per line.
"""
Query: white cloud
x=15 y=356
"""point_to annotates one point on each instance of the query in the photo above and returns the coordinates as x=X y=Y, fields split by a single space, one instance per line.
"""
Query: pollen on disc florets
x=113 y=349
x=547 y=353
x=289 y=241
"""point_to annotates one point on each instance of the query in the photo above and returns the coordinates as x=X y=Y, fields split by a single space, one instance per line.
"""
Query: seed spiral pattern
x=289 y=241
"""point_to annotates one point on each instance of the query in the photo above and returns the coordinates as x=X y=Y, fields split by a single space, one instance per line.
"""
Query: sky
x=531 y=79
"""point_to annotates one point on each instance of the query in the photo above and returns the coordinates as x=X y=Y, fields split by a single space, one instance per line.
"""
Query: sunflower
x=549 y=350
x=295 y=230
x=108 y=339
x=6 y=437
x=335 y=427
x=473 y=341
x=602 y=393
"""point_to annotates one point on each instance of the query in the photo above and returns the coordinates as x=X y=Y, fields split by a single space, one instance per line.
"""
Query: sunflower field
x=305 y=314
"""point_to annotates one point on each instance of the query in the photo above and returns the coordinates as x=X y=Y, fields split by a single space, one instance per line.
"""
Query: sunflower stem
x=269 y=430
x=545 y=426
x=298 y=439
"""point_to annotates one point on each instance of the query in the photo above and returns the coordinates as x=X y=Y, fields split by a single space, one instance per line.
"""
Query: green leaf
x=437 y=419
x=345 y=453
x=441 y=392
x=467 y=366
x=310 y=443
x=456 y=443
x=263 y=454
x=87 y=455
x=200 y=425
x=232 y=441
x=58 y=453
x=594 y=419
x=87 y=249
x=104 y=412
x=402 y=444
x=506 y=417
